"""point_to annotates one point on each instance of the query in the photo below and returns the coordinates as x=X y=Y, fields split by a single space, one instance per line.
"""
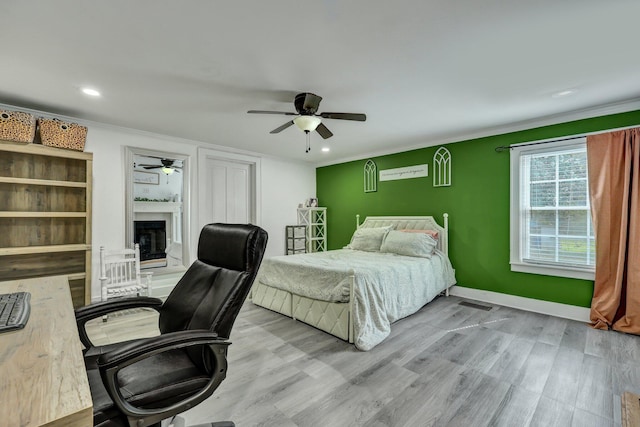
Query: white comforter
x=387 y=287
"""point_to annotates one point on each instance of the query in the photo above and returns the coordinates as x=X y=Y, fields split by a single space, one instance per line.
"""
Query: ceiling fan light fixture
x=168 y=170
x=307 y=123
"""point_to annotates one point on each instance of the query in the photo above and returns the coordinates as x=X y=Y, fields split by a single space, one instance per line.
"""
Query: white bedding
x=387 y=287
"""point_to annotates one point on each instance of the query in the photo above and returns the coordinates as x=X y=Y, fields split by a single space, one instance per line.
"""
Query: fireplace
x=152 y=238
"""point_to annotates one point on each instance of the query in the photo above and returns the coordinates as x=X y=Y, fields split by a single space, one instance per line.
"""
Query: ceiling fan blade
x=151 y=166
x=271 y=112
x=344 y=116
x=283 y=127
x=324 y=131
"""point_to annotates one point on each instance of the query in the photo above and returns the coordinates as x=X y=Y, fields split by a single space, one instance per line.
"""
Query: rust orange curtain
x=614 y=186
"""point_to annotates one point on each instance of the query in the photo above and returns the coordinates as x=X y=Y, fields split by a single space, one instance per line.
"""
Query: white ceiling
x=424 y=71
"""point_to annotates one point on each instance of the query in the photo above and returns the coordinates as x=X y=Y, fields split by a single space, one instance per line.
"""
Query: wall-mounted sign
x=142 y=177
x=417 y=171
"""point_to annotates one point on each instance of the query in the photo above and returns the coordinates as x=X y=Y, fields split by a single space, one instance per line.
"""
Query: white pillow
x=368 y=239
x=409 y=244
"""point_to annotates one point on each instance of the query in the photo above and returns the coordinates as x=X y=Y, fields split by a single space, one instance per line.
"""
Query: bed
x=357 y=292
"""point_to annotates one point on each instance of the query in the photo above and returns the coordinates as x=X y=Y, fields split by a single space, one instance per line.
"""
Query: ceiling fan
x=307 y=119
x=167 y=165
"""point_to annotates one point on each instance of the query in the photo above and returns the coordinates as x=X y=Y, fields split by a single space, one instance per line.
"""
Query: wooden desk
x=42 y=376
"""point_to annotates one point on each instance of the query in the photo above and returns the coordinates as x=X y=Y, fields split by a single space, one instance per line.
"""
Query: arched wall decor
x=370 y=177
x=442 y=168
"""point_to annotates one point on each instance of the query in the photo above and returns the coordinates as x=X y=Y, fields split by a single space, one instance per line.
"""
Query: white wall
x=284 y=184
x=108 y=147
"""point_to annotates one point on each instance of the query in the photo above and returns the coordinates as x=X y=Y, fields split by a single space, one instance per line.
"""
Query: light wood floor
x=447 y=365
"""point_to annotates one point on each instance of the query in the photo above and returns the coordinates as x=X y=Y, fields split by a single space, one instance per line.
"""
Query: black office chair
x=142 y=382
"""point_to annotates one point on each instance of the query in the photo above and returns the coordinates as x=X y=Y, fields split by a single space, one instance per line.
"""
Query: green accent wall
x=477 y=203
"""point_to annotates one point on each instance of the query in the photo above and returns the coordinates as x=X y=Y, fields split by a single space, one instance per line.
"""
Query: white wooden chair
x=120 y=274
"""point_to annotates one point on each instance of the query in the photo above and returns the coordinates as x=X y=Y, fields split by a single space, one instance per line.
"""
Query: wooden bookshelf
x=45 y=215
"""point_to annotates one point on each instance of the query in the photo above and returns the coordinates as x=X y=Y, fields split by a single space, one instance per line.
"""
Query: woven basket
x=17 y=126
x=56 y=133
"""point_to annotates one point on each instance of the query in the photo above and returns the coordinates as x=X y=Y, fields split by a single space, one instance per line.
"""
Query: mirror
x=157 y=208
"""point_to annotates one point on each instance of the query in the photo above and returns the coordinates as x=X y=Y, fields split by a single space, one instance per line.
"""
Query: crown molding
x=148 y=134
x=584 y=113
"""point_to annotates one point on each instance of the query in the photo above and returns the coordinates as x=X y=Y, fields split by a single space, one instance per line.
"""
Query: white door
x=227 y=192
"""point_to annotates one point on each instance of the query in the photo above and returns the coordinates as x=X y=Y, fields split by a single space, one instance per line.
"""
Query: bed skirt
x=331 y=317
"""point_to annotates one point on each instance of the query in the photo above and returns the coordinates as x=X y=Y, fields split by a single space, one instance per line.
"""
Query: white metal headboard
x=411 y=223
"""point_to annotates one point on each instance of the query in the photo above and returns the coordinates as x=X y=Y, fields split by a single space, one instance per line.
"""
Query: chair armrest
x=132 y=352
x=93 y=311
x=111 y=363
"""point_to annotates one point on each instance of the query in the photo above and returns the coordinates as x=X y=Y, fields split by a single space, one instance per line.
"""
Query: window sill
x=574 y=273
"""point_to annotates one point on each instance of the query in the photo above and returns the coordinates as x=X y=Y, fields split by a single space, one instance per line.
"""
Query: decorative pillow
x=368 y=239
x=432 y=233
x=409 y=244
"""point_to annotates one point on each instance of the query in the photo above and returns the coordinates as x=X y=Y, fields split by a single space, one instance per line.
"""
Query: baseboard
x=565 y=311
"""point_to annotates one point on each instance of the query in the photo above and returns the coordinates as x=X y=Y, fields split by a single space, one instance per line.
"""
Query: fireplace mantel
x=158 y=207
x=172 y=211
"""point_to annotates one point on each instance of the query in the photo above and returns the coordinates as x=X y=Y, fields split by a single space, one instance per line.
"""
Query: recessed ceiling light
x=325 y=149
x=90 y=92
x=563 y=93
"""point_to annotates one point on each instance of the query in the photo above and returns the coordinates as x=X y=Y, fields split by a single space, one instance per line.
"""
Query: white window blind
x=553 y=216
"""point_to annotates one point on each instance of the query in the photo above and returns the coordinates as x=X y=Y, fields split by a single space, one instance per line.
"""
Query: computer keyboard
x=14 y=310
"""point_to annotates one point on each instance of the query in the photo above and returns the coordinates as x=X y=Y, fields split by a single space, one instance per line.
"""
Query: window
x=551 y=230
